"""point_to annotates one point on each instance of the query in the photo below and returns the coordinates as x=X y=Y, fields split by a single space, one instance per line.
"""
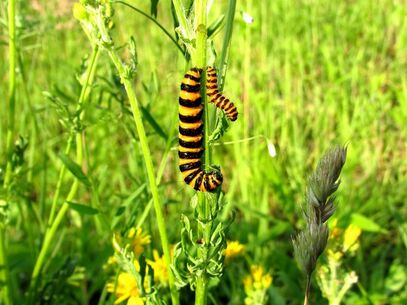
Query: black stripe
x=189 y=166
x=212 y=81
x=191 y=176
x=198 y=181
x=216 y=96
x=189 y=132
x=206 y=183
x=191 y=88
x=192 y=77
x=211 y=87
x=190 y=144
x=195 y=69
x=229 y=106
x=190 y=103
x=190 y=155
x=191 y=118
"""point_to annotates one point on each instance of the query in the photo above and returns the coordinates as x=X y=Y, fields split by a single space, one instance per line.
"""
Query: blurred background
x=305 y=76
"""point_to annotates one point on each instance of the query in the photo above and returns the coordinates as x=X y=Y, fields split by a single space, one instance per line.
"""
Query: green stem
x=11 y=90
x=90 y=73
x=6 y=296
x=56 y=220
x=230 y=16
x=182 y=19
x=150 y=169
x=155 y=22
x=4 y=268
x=204 y=225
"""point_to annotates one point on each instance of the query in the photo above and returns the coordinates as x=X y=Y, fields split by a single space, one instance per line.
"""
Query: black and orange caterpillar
x=218 y=99
x=191 y=135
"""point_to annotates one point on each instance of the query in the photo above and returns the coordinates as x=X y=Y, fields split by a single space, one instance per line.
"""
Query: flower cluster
x=256 y=285
x=128 y=252
x=333 y=280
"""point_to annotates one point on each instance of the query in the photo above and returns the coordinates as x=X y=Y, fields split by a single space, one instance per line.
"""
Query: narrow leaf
x=83 y=209
x=153 y=123
x=216 y=26
x=153 y=9
x=366 y=224
x=75 y=169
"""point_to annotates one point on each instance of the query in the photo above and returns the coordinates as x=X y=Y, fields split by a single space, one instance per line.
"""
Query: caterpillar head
x=217 y=175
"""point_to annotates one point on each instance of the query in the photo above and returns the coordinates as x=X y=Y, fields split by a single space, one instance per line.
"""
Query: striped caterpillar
x=191 y=129
x=219 y=100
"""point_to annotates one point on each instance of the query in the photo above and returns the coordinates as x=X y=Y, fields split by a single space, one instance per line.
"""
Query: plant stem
x=11 y=90
x=230 y=16
x=90 y=73
x=179 y=11
x=204 y=225
x=154 y=21
x=54 y=221
x=307 y=290
x=4 y=268
x=150 y=169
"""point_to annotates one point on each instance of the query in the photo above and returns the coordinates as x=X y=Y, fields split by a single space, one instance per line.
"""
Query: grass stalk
x=54 y=221
x=11 y=90
x=150 y=169
x=307 y=290
x=4 y=268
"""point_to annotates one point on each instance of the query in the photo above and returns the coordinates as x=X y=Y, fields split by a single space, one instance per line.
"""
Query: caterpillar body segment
x=190 y=135
x=218 y=99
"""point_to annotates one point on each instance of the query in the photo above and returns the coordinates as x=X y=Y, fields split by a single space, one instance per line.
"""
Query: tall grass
x=304 y=75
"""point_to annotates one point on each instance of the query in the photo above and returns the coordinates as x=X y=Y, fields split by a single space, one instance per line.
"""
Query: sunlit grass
x=312 y=74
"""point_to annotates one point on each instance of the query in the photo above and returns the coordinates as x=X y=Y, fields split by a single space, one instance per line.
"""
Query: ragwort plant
x=203 y=250
x=198 y=257
x=318 y=208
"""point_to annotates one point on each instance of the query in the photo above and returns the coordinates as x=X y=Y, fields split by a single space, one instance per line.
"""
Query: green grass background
x=305 y=75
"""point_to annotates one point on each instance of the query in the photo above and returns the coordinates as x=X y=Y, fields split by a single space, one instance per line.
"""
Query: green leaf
x=153 y=9
x=215 y=26
x=83 y=209
x=222 y=125
x=75 y=169
x=153 y=123
x=366 y=224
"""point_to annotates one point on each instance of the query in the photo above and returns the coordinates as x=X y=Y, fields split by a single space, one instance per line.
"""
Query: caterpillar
x=219 y=100
x=191 y=135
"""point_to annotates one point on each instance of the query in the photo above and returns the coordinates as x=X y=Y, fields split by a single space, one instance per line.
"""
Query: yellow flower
x=138 y=240
x=233 y=248
x=126 y=289
x=256 y=285
x=257 y=280
x=160 y=268
x=350 y=238
x=110 y=263
x=335 y=255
